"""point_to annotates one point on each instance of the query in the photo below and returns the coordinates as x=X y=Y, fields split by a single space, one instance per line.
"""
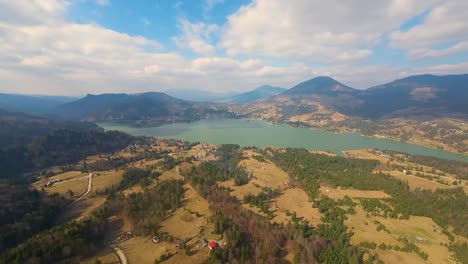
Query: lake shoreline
x=258 y=132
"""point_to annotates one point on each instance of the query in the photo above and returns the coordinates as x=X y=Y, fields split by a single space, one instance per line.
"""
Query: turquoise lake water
x=262 y=134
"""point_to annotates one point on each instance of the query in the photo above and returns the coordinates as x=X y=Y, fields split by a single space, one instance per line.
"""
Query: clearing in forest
x=338 y=193
x=295 y=200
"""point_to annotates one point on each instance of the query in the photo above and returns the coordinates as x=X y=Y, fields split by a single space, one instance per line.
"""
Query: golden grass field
x=415 y=182
x=184 y=223
x=365 y=229
x=295 y=200
x=338 y=193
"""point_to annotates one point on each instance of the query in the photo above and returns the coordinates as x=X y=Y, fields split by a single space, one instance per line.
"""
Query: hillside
x=421 y=95
x=198 y=95
x=32 y=104
x=263 y=91
x=19 y=128
x=141 y=109
x=426 y=95
x=168 y=201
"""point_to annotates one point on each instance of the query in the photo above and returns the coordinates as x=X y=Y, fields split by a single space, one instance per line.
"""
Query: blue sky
x=74 y=47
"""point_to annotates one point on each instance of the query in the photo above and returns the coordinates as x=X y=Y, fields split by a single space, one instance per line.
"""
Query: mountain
x=19 y=128
x=150 y=108
x=417 y=95
x=32 y=104
x=198 y=96
x=254 y=95
x=420 y=95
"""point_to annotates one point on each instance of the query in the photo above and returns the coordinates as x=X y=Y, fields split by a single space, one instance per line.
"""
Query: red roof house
x=213 y=245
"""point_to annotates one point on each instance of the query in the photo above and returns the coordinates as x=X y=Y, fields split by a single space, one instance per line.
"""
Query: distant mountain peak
x=320 y=85
x=256 y=94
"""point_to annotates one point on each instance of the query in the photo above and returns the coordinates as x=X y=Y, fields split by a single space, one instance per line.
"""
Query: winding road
x=90 y=180
x=120 y=254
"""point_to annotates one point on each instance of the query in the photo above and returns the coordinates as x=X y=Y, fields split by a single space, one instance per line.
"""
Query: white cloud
x=103 y=2
x=445 y=25
x=316 y=30
x=196 y=36
x=43 y=53
x=32 y=12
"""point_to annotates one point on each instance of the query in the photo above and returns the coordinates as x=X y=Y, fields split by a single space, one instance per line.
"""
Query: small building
x=213 y=245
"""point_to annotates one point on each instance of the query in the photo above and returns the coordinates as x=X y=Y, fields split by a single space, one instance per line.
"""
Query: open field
x=296 y=200
x=105 y=179
x=241 y=191
x=171 y=175
x=265 y=174
x=415 y=182
x=338 y=193
x=192 y=216
x=422 y=228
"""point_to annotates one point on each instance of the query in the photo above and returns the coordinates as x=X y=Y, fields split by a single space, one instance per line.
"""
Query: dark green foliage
x=59 y=147
x=461 y=251
x=259 y=158
x=458 y=168
x=444 y=206
x=60 y=244
x=133 y=176
x=262 y=200
x=148 y=209
x=24 y=212
x=368 y=244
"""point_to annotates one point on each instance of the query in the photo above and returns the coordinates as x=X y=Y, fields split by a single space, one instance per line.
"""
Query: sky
x=76 y=47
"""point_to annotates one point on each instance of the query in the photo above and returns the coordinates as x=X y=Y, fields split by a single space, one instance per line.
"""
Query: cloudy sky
x=75 y=47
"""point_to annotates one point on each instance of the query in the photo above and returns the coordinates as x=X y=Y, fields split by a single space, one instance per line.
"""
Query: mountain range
x=421 y=95
x=32 y=104
x=261 y=92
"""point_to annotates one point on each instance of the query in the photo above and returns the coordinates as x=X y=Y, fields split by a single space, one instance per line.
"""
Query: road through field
x=120 y=254
x=90 y=177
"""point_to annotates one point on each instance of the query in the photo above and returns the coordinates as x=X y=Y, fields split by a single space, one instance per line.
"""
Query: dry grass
x=266 y=174
x=186 y=216
x=425 y=228
x=365 y=229
x=295 y=200
x=392 y=256
x=415 y=182
x=338 y=193
x=106 y=179
x=78 y=187
x=169 y=175
x=143 y=250
x=241 y=191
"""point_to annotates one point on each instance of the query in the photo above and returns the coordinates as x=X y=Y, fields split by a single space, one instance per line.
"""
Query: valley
x=376 y=227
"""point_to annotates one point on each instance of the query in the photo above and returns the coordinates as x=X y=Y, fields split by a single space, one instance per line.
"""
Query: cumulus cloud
x=41 y=52
x=320 y=30
x=443 y=32
x=196 y=36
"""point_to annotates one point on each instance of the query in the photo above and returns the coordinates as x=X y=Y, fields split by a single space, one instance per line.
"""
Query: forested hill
x=59 y=147
x=18 y=128
x=29 y=143
x=150 y=108
x=32 y=104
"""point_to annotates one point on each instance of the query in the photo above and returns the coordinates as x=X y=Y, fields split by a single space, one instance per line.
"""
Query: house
x=213 y=245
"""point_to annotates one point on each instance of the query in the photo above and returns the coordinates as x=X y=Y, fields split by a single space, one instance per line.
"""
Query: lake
x=261 y=134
